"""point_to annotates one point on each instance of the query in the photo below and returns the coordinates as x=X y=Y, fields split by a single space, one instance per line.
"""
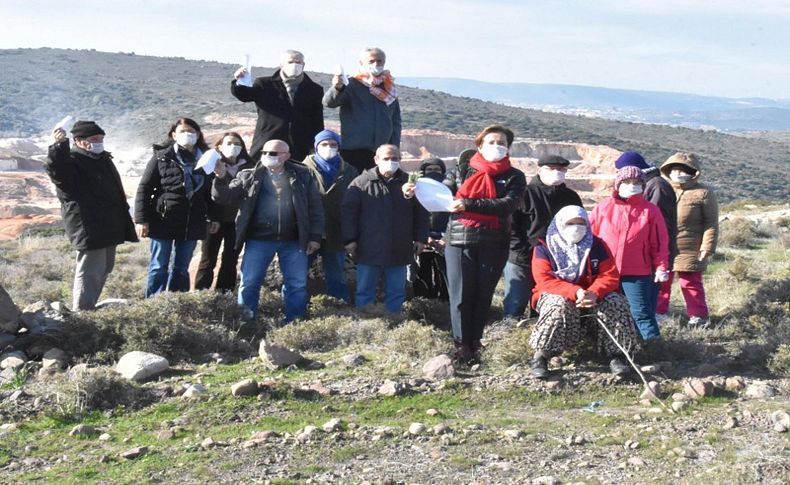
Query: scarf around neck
x=570 y=258
x=481 y=185
x=291 y=84
x=381 y=86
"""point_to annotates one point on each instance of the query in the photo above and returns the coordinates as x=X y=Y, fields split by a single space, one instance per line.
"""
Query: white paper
x=342 y=73
x=433 y=195
x=66 y=123
x=208 y=161
x=246 y=79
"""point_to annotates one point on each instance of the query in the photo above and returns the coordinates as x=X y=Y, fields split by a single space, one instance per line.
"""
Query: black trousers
x=209 y=252
x=472 y=275
x=360 y=158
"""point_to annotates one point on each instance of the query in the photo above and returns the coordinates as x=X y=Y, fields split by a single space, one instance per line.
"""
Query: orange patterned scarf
x=382 y=86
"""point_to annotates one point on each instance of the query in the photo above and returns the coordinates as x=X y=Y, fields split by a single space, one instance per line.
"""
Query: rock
x=104 y=459
x=7 y=375
x=734 y=384
x=575 y=440
x=416 y=429
x=354 y=360
x=730 y=423
x=45 y=372
x=306 y=433
x=134 y=452
x=111 y=302
x=650 y=369
x=83 y=430
x=9 y=313
x=679 y=396
x=78 y=371
x=440 y=429
x=760 y=390
x=247 y=387
x=194 y=390
x=432 y=412
x=391 y=388
x=546 y=480
x=277 y=355
x=513 y=434
x=55 y=357
x=332 y=425
x=780 y=418
x=439 y=368
x=6 y=339
x=105 y=437
x=208 y=443
x=698 y=388
x=557 y=361
x=652 y=391
x=9 y=427
x=166 y=435
x=139 y=366
x=321 y=389
x=12 y=360
x=780 y=428
x=636 y=461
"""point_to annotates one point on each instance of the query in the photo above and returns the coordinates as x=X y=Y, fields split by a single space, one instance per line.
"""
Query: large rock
x=55 y=358
x=9 y=313
x=138 y=366
x=439 y=368
x=277 y=355
x=698 y=388
x=247 y=387
x=760 y=390
x=12 y=360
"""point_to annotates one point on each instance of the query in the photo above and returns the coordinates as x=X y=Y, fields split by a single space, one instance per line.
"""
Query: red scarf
x=381 y=86
x=481 y=185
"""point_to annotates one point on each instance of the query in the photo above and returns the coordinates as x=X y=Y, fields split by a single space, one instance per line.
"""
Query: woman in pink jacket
x=635 y=232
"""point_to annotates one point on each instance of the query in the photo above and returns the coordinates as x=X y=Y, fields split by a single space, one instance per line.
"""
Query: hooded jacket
x=698 y=216
x=660 y=192
x=332 y=199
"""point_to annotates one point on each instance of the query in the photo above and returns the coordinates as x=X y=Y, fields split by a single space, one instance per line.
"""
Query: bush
x=779 y=362
x=509 y=348
x=738 y=233
x=417 y=341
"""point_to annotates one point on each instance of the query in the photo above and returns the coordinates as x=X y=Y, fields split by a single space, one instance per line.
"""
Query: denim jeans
x=642 y=293
x=518 y=289
x=164 y=274
x=334 y=265
x=394 y=286
x=258 y=255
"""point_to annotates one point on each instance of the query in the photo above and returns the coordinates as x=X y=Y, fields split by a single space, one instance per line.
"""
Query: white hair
x=286 y=56
x=372 y=50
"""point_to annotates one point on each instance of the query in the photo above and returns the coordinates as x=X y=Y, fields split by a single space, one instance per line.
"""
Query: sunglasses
x=273 y=154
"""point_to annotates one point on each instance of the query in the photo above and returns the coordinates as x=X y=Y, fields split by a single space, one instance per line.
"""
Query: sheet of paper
x=66 y=123
x=246 y=80
x=342 y=73
x=208 y=161
x=433 y=195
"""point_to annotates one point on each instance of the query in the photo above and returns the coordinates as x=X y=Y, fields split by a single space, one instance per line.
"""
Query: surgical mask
x=270 y=161
x=493 y=153
x=327 y=152
x=186 y=139
x=551 y=177
x=96 y=148
x=627 y=190
x=375 y=69
x=573 y=233
x=293 y=69
x=230 y=151
x=388 y=166
x=680 y=176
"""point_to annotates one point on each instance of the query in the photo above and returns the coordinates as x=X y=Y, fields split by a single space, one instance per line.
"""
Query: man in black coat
x=289 y=106
x=93 y=204
x=546 y=194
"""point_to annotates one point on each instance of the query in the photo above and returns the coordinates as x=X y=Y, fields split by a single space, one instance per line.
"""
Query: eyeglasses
x=273 y=154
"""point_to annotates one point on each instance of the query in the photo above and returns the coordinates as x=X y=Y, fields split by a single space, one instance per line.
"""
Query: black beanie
x=553 y=160
x=85 y=129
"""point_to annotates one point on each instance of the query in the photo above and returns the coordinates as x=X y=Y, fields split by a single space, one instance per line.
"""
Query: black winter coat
x=382 y=222
x=296 y=125
x=162 y=201
x=660 y=192
x=510 y=187
x=245 y=187
x=225 y=213
x=530 y=222
x=92 y=200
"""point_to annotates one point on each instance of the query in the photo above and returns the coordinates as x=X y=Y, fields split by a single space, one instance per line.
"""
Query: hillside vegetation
x=138 y=96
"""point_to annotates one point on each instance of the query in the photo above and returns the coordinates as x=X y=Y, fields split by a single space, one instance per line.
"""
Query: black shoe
x=538 y=368
x=618 y=367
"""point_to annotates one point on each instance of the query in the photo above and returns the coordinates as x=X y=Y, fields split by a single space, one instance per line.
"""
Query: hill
x=136 y=97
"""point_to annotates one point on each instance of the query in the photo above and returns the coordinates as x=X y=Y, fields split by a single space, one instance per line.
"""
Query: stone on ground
x=439 y=368
x=247 y=387
x=139 y=366
x=698 y=388
x=277 y=355
x=55 y=357
x=12 y=360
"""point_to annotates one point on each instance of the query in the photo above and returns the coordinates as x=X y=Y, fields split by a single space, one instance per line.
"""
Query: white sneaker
x=699 y=322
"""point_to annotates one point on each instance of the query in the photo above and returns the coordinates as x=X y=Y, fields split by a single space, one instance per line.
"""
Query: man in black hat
x=546 y=194
x=93 y=204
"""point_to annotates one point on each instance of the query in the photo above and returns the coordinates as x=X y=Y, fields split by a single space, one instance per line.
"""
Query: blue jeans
x=518 y=289
x=394 y=286
x=164 y=275
x=258 y=255
x=334 y=265
x=642 y=293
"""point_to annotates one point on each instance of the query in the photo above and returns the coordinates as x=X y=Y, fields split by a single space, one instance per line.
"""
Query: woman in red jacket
x=635 y=232
x=576 y=282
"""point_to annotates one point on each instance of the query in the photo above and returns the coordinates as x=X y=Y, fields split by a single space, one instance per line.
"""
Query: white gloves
x=661 y=276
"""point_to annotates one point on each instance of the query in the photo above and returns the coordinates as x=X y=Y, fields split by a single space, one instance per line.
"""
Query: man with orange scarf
x=369 y=109
x=487 y=193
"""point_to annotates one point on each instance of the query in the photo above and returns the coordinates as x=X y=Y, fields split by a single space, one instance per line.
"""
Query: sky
x=731 y=48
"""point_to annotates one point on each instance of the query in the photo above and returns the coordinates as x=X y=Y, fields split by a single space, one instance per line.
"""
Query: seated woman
x=576 y=282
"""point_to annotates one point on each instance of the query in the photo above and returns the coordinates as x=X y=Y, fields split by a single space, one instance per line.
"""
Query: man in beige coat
x=698 y=233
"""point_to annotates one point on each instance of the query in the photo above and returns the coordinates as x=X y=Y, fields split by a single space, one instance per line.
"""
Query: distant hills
x=688 y=110
x=137 y=97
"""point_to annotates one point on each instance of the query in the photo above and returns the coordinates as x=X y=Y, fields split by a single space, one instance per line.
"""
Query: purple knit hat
x=633 y=159
x=628 y=172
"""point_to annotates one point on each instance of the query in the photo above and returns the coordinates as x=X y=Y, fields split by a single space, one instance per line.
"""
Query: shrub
x=779 y=362
x=417 y=341
x=509 y=348
x=738 y=233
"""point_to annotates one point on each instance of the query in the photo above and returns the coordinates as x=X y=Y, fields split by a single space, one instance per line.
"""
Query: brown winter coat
x=698 y=216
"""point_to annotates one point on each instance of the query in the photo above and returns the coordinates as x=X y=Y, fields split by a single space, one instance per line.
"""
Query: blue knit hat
x=326 y=135
x=631 y=159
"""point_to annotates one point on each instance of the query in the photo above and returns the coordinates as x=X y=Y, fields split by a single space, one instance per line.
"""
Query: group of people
x=303 y=192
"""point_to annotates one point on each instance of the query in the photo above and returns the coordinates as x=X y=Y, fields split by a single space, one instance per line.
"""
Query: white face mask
x=493 y=153
x=573 y=233
x=375 y=69
x=680 y=176
x=627 y=190
x=96 y=148
x=186 y=139
x=550 y=176
x=230 y=151
x=388 y=166
x=327 y=152
x=293 y=69
x=270 y=161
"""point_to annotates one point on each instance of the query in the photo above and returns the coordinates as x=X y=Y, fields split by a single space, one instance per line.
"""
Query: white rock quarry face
x=138 y=366
x=22 y=147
